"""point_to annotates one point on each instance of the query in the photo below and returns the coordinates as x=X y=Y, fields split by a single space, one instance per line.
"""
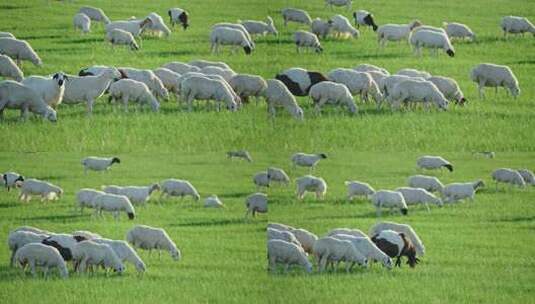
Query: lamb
x=124 y=252
x=433 y=162
x=147 y=77
x=277 y=175
x=278 y=95
x=95 y=14
x=527 y=176
x=299 y=81
x=149 y=238
x=281 y=227
x=493 y=75
x=64 y=243
x=181 y=68
x=449 y=88
x=458 y=30
x=134 y=27
x=84 y=198
x=415 y=196
x=200 y=87
x=364 y=18
x=256 y=203
x=115 y=204
x=347 y=231
x=51 y=90
x=274 y=234
x=246 y=86
x=229 y=36
x=432 y=40
x=367 y=248
x=357 y=82
x=178 y=15
x=46 y=190
x=178 y=187
x=332 y=3
x=389 y=199
x=329 y=249
x=12 y=179
x=342 y=26
x=307 y=160
x=429 y=183
x=414 y=73
x=138 y=195
x=6 y=35
x=132 y=90
x=282 y=252
x=356 y=188
x=99 y=163
x=395 y=32
x=508 y=176
x=121 y=37
x=88 y=88
x=295 y=15
x=401 y=228
x=243 y=154
x=213 y=202
x=19 y=50
x=305 y=238
x=321 y=28
x=459 y=191
x=14 y=95
x=309 y=183
x=261 y=179
x=17 y=239
x=396 y=244
x=412 y=90
x=254 y=27
x=516 y=25
x=35 y=254
x=82 y=22
x=169 y=80
x=328 y=92
x=88 y=253
x=9 y=69
x=304 y=39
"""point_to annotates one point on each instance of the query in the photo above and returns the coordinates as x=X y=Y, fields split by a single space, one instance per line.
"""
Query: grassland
x=477 y=253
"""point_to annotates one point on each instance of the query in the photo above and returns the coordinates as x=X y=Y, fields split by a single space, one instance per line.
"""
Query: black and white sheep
x=14 y=95
x=19 y=50
x=46 y=190
x=401 y=228
x=364 y=18
x=95 y=163
x=493 y=75
x=305 y=39
x=278 y=95
x=35 y=254
x=9 y=69
x=516 y=25
x=178 y=187
x=64 y=243
x=458 y=191
x=152 y=238
x=178 y=15
x=389 y=199
x=433 y=40
x=95 y=14
x=12 y=179
x=50 y=89
x=299 y=81
x=328 y=92
x=282 y=252
x=430 y=162
x=396 y=245
x=115 y=204
x=256 y=203
x=295 y=15
x=309 y=183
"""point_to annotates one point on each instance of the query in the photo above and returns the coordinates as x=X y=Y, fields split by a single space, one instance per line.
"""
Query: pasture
x=477 y=252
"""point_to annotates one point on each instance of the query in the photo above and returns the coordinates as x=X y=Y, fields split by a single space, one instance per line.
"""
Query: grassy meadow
x=476 y=252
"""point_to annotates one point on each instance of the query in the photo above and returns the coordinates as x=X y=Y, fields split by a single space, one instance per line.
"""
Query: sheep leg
x=90 y=107
x=286 y=267
x=322 y=263
x=45 y=272
x=32 y=268
x=125 y=103
x=427 y=206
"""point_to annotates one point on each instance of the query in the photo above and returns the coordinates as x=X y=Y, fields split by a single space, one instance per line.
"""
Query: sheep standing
x=508 y=176
x=278 y=95
x=458 y=30
x=329 y=249
x=295 y=15
x=341 y=27
x=328 y=92
x=204 y=88
x=321 y=28
x=412 y=90
x=277 y=175
x=147 y=77
x=82 y=22
x=248 y=86
x=151 y=238
x=243 y=154
x=115 y=204
x=95 y=14
x=99 y=163
x=274 y=234
x=35 y=254
x=256 y=203
x=396 y=244
x=178 y=187
x=84 y=198
x=415 y=196
x=360 y=83
x=46 y=190
x=9 y=69
x=282 y=252
x=299 y=81
x=132 y=90
x=19 y=50
x=516 y=25
x=429 y=183
x=88 y=88
x=389 y=199
x=12 y=179
x=432 y=40
x=261 y=179
x=304 y=39
x=433 y=162
x=356 y=188
x=364 y=18
x=88 y=253
x=178 y=15
x=213 y=201
x=64 y=243
x=309 y=183
x=307 y=160
x=169 y=80
x=229 y=36
x=259 y=27
x=449 y=88
x=401 y=228
x=236 y=26
x=17 y=239
x=157 y=25
x=121 y=37
x=367 y=248
x=493 y=75
x=528 y=176
x=14 y=95
x=50 y=89
x=395 y=32
x=459 y=191
x=366 y=67
x=305 y=238
x=124 y=252
x=180 y=67
x=134 y=27
x=138 y=195
x=348 y=231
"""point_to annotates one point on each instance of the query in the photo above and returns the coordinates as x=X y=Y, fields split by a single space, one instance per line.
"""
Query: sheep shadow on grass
x=52 y=218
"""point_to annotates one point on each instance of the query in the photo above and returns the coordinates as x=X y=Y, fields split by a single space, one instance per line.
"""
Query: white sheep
x=341 y=26
x=254 y=27
x=401 y=228
x=328 y=92
x=35 y=254
x=432 y=40
x=458 y=30
x=295 y=15
x=239 y=27
x=204 y=88
x=17 y=239
x=356 y=188
x=6 y=35
x=50 y=89
x=229 y=36
x=304 y=39
x=360 y=83
x=14 y=95
x=157 y=25
x=449 y=88
x=256 y=203
x=412 y=90
x=147 y=77
x=95 y=163
x=134 y=27
x=121 y=37
x=178 y=187
x=151 y=238
x=305 y=238
x=169 y=80
x=429 y=28
x=46 y=190
x=9 y=69
x=132 y=90
x=19 y=50
x=85 y=234
x=528 y=176
x=493 y=75
x=227 y=74
x=12 y=179
x=64 y=243
x=95 y=14
x=367 y=248
x=414 y=73
x=88 y=253
x=321 y=28
x=243 y=154
x=508 y=176
x=181 y=68
x=307 y=160
x=395 y=32
x=389 y=199
x=178 y=15
x=124 y=252
x=364 y=18
x=213 y=201
x=415 y=196
x=309 y=183
x=84 y=198
x=274 y=234
x=277 y=175
x=279 y=226
x=332 y=3
x=282 y=252
x=458 y=191
x=261 y=179
x=88 y=88
x=246 y=86
x=516 y=25
x=138 y=195
x=330 y=249
x=201 y=63
x=366 y=67
x=115 y=204
x=388 y=83
x=429 y=183
x=82 y=22
x=278 y=95
x=347 y=231
x=433 y=162
x=32 y=229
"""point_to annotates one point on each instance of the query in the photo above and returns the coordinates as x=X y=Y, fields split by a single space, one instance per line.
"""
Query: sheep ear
x=56 y=76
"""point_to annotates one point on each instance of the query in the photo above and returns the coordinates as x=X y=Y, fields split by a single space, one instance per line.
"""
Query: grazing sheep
x=99 y=163
x=84 y=198
x=19 y=50
x=321 y=28
x=124 y=252
x=458 y=30
x=307 y=160
x=229 y=36
x=433 y=162
x=256 y=203
x=246 y=86
x=367 y=248
x=149 y=238
x=239 y=27
x=46 y=190
x=414 y=73
x=277 y=175
x=309 y=183
x=395 y=32
x=360 y=83
x=32 y=229
x=348 y=231
x=88 y=235
x=134 y=27
x=12 y=179
x=200 y=63
x=415 y=196
x=527 y=175
x=330 y=249
x=35 y=254
x=429 y=28
x=169 y=80
x=278 y=95
x=295 y=15
x=356 y=188
x=401 y=228
x=366 y=67
x=341 y=26
x=261 y=179
x=14 y=95
x=6 y=35
x=181 y=68
x=282 y=252
x=50 y=89
x=429 y=183
x=138 y=195
x=121 y=37
x=459 y=191
x=449 y=88
x=332 y=3
x=364 y=18
x=299 y=81
x=305 y=238
x=157 y=25
x=487 y=154
x=396 y=244
x=64 y=243
x=147 y=77
x=328 y=92
x=133 y=90
x=508 y=176
x=388 y=83
x=493 y=75
x=17 y=239
x=432 y=40
x=274 y=234
x=204 y=88
x=88 y=88
x=178 y=15
x=389 y=199
x=213 y=202
x=304 y=39
x=178 y=187
x=243 y=154
x=88 y=253
x=254 y=27
x=9 y=69
x=412 y=90
x=280 y=226
x=226 y=74
x=95 y=14
x=82 y=22
x=516 y=25
x=115 y=204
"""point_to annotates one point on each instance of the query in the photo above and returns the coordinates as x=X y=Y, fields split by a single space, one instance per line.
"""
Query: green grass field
x=475 y=252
